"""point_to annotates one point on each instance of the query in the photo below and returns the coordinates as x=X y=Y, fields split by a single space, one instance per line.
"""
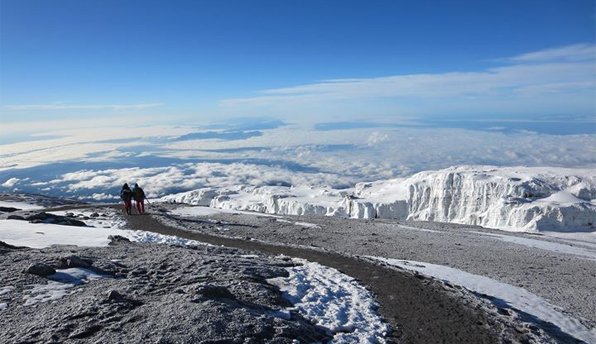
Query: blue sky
x=168 y=61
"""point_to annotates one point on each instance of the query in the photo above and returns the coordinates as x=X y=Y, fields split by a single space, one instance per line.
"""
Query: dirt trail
x=419 y=310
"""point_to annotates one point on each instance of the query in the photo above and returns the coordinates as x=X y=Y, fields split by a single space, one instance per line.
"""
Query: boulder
x=75 y=262
x=40 y=269
x=114 y=239
x=43 y=217
x=214 y=292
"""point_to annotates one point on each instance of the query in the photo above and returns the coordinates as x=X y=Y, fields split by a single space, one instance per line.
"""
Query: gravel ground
x=566 y=280
x=150 y=293
x=418 y=309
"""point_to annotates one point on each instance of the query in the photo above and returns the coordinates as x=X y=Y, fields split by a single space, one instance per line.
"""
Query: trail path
x=419 y=310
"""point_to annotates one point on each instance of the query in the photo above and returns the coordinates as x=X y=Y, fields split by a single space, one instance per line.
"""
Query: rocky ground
x=137 y=293
x=147 y=293
x=520 y=259
x=419 y=309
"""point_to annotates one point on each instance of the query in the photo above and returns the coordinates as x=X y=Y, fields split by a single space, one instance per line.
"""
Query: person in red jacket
x=139 y=196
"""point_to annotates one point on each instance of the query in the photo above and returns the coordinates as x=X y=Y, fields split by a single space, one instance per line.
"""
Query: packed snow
x=514 y=297
x=334 y=301
x=524 y=199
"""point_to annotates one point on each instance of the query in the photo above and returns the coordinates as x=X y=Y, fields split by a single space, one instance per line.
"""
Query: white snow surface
x=515 y=297
x=334 y=301
x=40 y=235
x=199 y=210
x=524 y=199
x=20 y=205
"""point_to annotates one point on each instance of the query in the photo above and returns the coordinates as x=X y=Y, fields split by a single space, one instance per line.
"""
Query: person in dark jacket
x=139 y=196
x=126 y=195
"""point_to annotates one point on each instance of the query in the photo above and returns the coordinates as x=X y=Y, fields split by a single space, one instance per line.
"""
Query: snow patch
x=47 y=292
x=40 y=235
x=207 y=211
x=307 y=224
x=155 y=238
x=334 y=301
x=586 y=252
x=20 y=205
x=59 y=285
x=75 y=276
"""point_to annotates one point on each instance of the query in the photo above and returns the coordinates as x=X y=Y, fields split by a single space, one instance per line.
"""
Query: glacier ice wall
x=510 y=198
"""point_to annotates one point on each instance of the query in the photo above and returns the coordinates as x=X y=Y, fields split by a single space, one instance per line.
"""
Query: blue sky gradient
x=169 y=61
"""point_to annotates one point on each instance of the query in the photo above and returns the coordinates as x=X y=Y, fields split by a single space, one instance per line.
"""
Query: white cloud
x=376 y=138
x=293 y=155
x=10 y=182
x=548 y=81
x=576 y=52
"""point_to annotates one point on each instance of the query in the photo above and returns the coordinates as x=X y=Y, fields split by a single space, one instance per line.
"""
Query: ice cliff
x=510 y=198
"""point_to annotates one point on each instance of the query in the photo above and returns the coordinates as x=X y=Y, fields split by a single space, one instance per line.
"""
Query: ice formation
x=510 y=198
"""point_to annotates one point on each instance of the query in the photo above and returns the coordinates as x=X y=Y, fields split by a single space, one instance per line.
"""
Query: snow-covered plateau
x=510 y=198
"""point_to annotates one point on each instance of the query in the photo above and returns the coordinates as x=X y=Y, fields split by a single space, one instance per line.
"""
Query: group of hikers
x=137 y=193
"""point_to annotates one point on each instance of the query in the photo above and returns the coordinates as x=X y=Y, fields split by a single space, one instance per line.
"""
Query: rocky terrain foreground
x=132 y=292
x=144 y=293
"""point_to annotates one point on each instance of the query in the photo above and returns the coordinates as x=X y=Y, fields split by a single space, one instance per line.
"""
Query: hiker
x=139 y=196
x=126 y=195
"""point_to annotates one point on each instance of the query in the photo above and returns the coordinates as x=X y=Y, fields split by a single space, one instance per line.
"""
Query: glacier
x=527 y=199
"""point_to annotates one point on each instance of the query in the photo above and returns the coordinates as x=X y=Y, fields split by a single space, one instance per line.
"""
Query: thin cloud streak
x=561 y=79
x=576 y=52
x=58 y=106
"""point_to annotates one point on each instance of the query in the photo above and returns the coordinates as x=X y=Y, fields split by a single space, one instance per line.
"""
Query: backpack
x=139 y=194
x=126 y=194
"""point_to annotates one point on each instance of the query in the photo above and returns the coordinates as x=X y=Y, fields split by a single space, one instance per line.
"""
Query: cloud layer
x=81 y=165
